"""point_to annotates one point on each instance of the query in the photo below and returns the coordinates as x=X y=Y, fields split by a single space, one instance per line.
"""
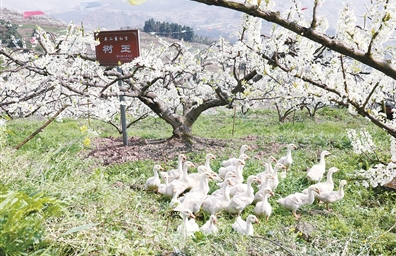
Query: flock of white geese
x=189 y=191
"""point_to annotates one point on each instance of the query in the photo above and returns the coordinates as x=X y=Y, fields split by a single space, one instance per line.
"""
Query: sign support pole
x=123 y=114
x=115 y=48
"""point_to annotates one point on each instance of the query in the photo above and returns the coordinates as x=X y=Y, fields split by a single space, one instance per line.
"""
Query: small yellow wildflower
x=87 y=142
x=83 y=128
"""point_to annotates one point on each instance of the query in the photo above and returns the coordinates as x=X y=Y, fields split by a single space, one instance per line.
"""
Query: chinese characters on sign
x=117 y=47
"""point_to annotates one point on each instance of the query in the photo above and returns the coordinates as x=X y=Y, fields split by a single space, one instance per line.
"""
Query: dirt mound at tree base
x=112 y=151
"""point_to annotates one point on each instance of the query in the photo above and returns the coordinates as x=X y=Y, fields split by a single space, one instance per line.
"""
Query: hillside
x=27 y=26
x=205 y=20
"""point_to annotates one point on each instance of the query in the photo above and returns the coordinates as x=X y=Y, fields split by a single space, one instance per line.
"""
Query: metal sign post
x=123 y=114
x=115 y=48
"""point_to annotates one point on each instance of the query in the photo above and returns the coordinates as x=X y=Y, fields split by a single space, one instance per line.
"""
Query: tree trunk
x=181 y=124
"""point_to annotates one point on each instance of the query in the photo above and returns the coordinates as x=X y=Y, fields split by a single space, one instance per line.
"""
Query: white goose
x=242 y=187
x=332 y=196
x=287 y=160
x=178 y=186
x=296 y=200
x=239 y=202
x=232 y=168
x=210 y=228
x=243 y=149
x=207 y=161
x=232 y=161
x=194 y=179
x=328 y=185
x=273 y=183
x=315 y=173
x=154 y=182
x=265 y=180
x=162 y=188
x=264 y=185
x=238 y=179
x=216 y=203
x=175 y=173
x=263 y=207
x=270 y=160
x=222 y=185
x=268 y=166
x=188 y=227
x=245 y=228
x=194 y=198
x=267 y=169
x=261 y=175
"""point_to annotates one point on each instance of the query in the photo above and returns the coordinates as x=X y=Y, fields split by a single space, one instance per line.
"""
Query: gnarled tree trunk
x=182 y=124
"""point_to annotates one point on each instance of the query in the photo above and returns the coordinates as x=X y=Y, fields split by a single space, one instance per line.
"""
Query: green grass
x=105 y=211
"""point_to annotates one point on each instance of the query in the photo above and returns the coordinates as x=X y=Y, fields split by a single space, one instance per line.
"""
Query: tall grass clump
x=23 y=213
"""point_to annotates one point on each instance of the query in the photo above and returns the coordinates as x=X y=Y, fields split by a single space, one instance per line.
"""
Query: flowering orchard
x=176 y=82
x=355 y=68
x=173 y=81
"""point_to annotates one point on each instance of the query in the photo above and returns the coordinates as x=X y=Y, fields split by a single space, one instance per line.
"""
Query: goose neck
x=156 y=174
x=239 y=171
x=207 y=163
x=204 y=183
x=249 y=189
x=184 y=173
x=265 y=197
x=330 y=177
x=249 y=227
x=341 y=190
x=311 y=196
x=322 y=159
x=226 y=192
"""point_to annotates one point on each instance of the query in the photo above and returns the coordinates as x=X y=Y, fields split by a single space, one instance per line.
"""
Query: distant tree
x=204 y=40
x=149 y=26
x=172 y=30
x=188 y=33
x=9 y=34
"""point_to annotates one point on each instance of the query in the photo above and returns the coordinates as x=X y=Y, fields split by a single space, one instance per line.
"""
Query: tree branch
x=314 y=13
x=41 y=128
x=381 y=65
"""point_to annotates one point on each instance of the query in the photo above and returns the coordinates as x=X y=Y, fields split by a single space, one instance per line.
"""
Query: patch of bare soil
x=112 y=151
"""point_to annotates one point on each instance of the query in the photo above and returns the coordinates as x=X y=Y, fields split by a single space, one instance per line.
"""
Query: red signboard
x=117 y=47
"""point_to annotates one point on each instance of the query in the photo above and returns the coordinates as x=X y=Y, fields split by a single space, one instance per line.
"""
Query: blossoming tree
x=354 y=68
x=173 y=81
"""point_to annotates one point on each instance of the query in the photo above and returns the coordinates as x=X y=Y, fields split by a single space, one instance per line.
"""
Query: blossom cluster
x=362 y=141
x=379 y=174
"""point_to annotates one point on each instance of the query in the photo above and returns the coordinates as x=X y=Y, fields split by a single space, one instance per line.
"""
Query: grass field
x=80 y=207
